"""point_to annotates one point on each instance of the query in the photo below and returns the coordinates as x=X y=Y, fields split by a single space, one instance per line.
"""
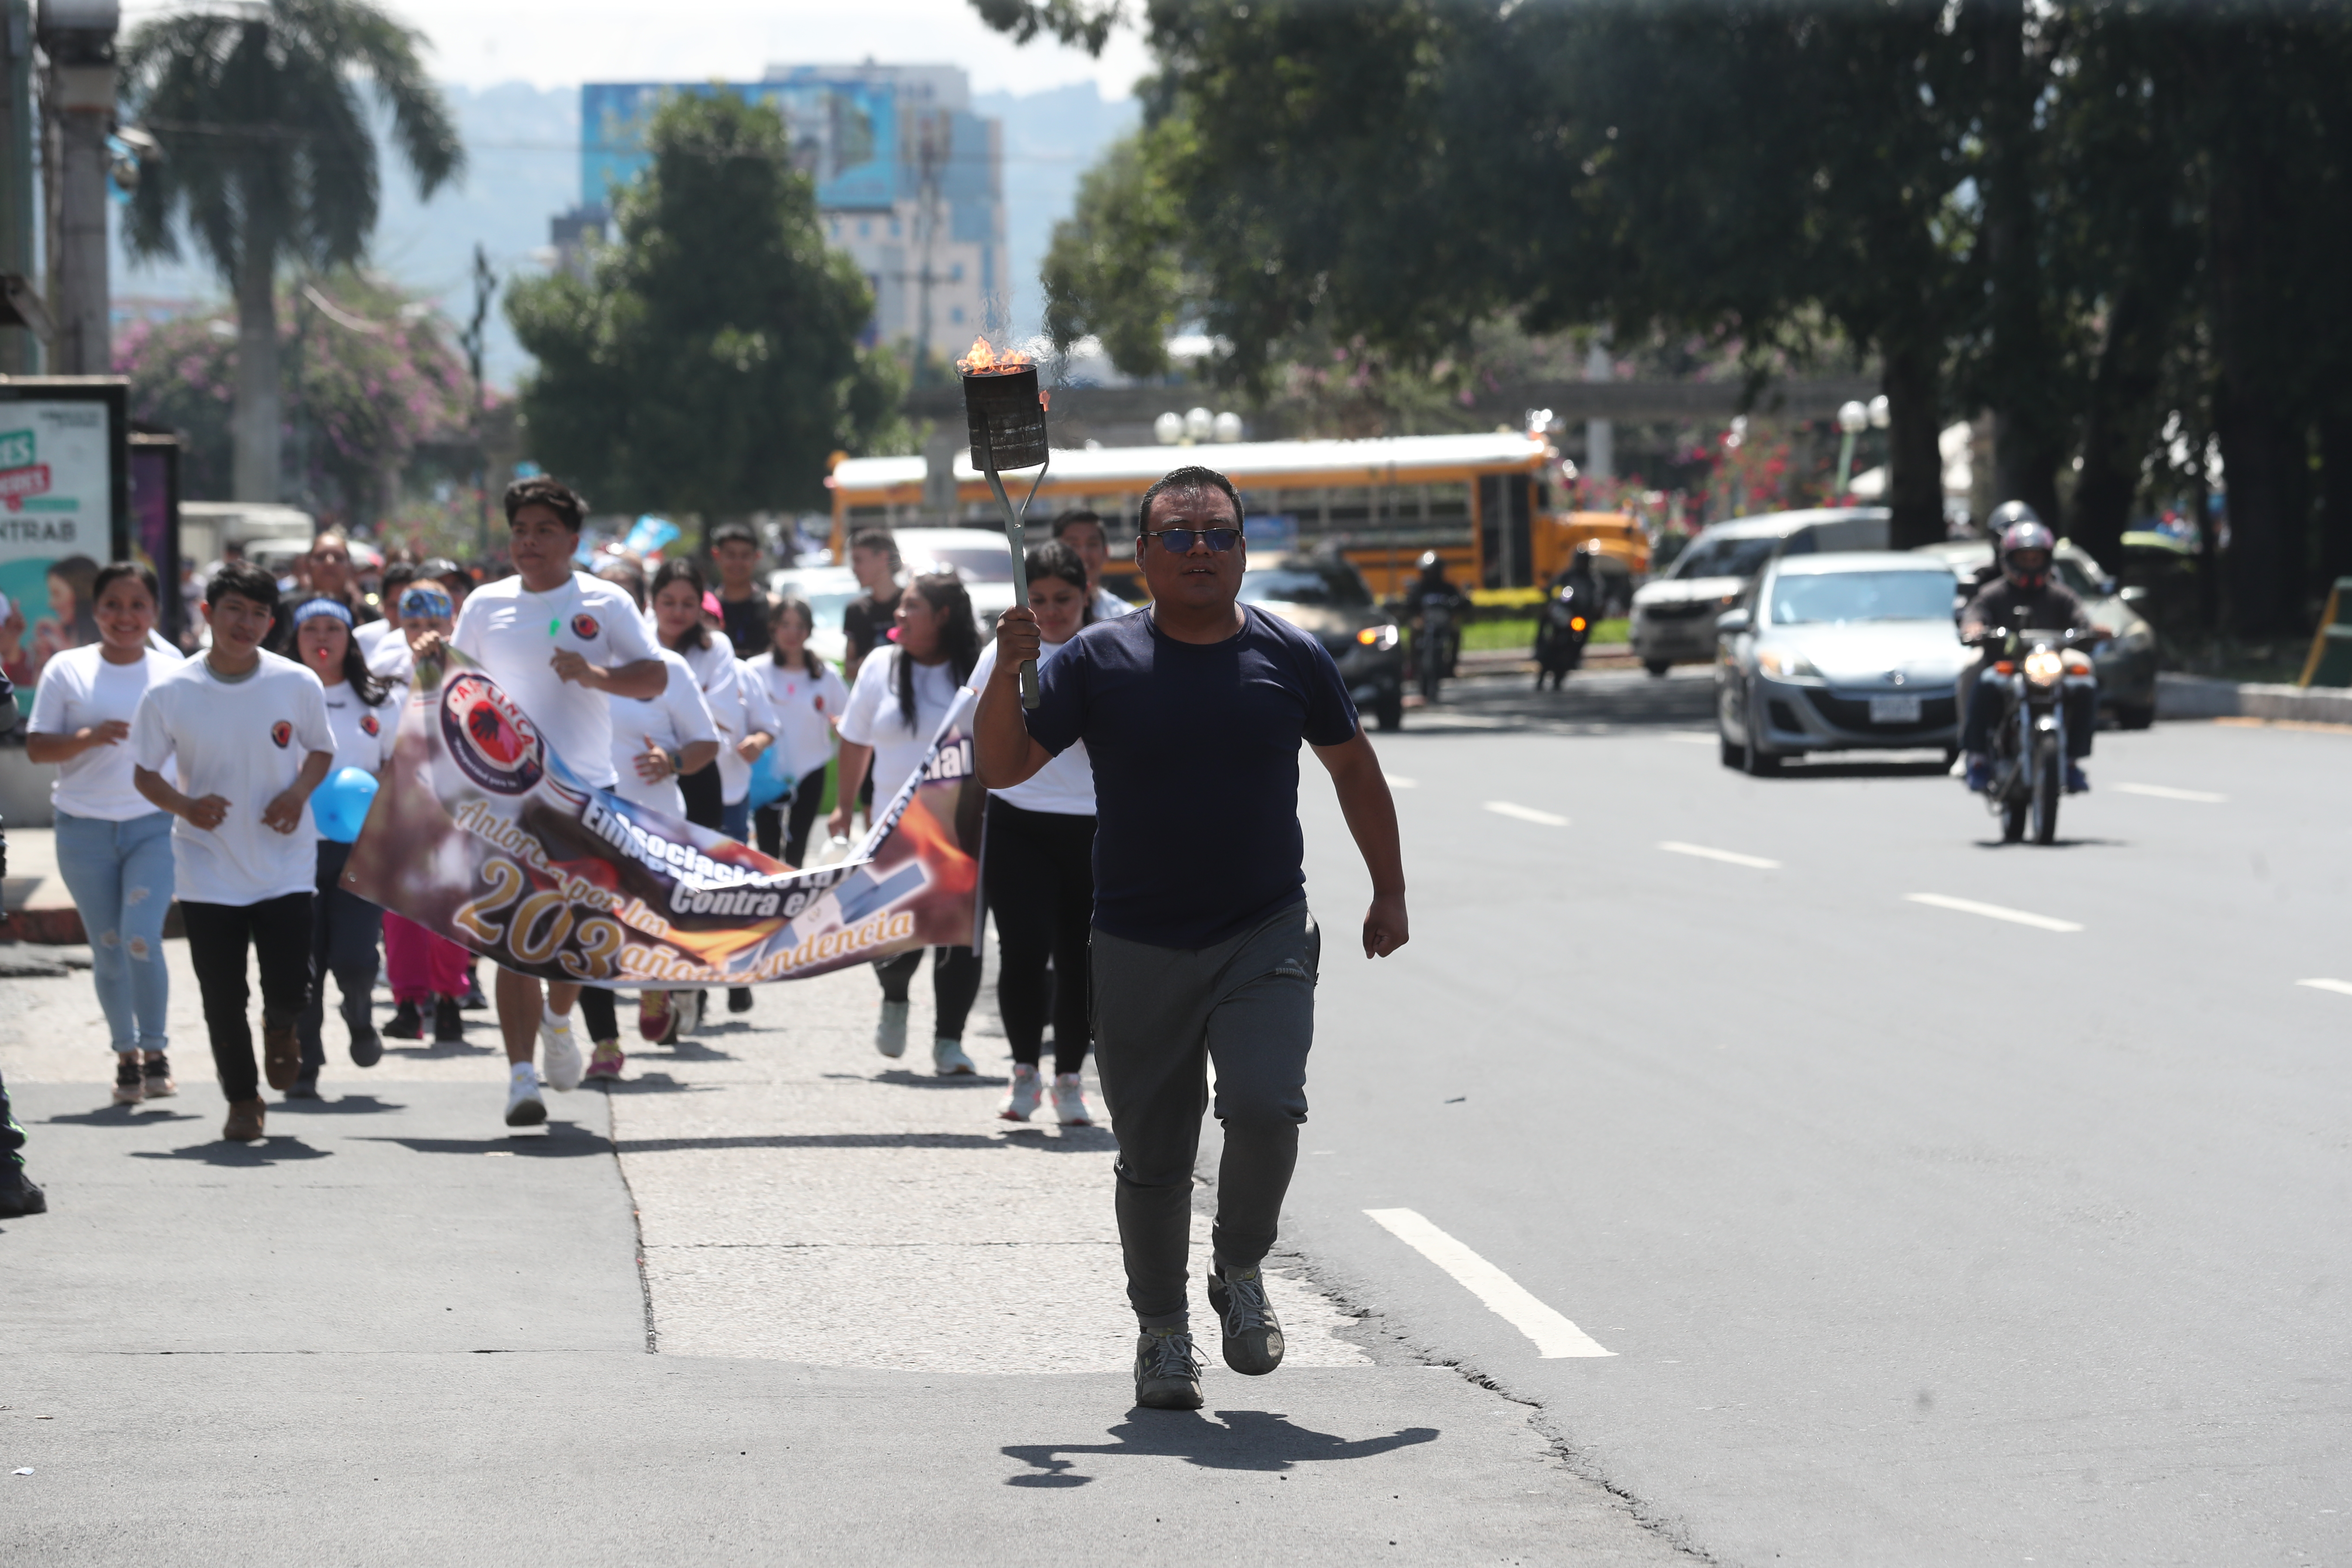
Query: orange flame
x=985 y=360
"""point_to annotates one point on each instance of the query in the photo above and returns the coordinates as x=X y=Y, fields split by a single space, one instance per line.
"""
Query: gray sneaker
x=1167 y=1373
x=1253 y=1333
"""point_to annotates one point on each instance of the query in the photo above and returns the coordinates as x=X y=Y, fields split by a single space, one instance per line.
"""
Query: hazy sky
x=552 y=42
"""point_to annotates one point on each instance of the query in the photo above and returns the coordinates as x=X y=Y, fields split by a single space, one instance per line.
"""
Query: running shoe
x=1070 y=1100
x=654 y=1020
x=1253 y=1334
x=245 y=1119
x=687 y=1006
x=524 y=1107
x=1027 y=1090
x=407 y=1022
x=607 y=1061
x=281 y=1055
x=305 y=1085
x=130 y=1083
x=448 y=1022
x=948 y=1059
x=890 y=1032
x=22 y=1198
x=739 y=998
x=157 y=1070
x=1167 y=1373
x=559 y=1051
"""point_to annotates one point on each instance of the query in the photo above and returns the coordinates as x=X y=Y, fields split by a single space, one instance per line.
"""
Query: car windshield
x=1303 y=585
x=2075 y=576
x=1821 y=599
x=1725 y=558
x=973 y=562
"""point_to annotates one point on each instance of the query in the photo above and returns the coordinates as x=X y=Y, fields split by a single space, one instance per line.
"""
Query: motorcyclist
x=2024 y=595
x=1434 y=587
x=1583 y=574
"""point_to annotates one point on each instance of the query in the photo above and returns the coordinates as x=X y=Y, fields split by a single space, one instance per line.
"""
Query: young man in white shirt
x=561 y=644
x=249 y=734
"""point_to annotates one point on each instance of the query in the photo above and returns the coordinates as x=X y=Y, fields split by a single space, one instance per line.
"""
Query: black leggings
x=344 y=929
x=1040 y=877
x=783 y=825
x=955 y=984
x=279 y=931
x=596 y=1013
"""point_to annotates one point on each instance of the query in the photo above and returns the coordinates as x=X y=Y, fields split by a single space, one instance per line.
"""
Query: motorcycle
x=1434 y=645
x=2033 y=670
x=1561 y=633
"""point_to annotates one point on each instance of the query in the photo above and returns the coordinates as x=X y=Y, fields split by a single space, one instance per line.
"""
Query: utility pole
x=20 y=351
x=78 y=36
x=485 y=284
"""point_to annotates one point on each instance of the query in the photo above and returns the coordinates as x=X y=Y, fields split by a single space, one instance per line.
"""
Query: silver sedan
x=1833 y=653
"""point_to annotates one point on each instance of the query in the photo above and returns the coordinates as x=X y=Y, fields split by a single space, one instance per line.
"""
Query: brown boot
x=281 y=1056
x=245 y=1119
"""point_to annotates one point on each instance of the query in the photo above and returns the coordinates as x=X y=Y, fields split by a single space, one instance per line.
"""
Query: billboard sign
x=63 y=514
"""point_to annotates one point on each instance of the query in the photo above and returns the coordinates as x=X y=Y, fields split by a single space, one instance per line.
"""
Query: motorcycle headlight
x=2044 y=667
x=1786 y=665
x=1379 y=638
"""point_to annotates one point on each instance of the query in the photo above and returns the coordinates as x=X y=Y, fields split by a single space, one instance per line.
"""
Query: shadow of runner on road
x=118 y=1116
x=1249 y=1441
x=555 y=1145
x=1074 y=1139
x=270 y=1151
x=342 y=1105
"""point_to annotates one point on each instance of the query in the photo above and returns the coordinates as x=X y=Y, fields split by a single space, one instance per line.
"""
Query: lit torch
x=1007 y=414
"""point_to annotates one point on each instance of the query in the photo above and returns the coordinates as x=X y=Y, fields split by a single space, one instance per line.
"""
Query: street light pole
x=1853 y=419
x=78 y=37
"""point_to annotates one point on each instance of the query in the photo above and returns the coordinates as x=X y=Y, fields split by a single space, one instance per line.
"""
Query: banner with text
x=480 y=834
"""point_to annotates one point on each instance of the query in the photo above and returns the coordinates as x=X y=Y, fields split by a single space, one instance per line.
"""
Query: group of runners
x=1144 y=863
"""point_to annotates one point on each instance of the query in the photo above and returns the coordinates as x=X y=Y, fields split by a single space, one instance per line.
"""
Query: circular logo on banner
x=584 y=627
x=368 y=725
x=498 y=747
x=281 y=733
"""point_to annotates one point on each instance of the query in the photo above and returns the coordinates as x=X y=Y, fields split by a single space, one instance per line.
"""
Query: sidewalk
x=884 y=1326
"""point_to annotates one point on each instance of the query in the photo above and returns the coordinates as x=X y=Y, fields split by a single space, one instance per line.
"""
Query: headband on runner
x=424 y=602
x=303 y=612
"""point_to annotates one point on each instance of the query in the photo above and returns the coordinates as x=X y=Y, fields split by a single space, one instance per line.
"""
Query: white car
x=1673 y=618
x=978 y=555
x=1841 y=652
x=828 y=590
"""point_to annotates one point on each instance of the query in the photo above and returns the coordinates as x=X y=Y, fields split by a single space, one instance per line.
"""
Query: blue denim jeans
x=735 y=821
x=120 y=874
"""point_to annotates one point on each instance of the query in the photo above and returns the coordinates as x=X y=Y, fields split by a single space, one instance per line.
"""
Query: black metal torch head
x=1006 y=416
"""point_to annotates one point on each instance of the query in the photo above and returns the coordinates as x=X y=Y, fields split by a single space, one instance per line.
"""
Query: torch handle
x=1018 y=545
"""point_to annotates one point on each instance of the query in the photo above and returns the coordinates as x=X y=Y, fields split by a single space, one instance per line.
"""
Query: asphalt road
x=1917 y=1236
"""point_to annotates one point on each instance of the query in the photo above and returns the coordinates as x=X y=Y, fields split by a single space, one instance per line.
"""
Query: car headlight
x=1380 y=639
x=1786 y=665
x=2044 y=667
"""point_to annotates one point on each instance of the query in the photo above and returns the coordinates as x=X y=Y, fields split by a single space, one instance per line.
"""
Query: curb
x=59 y=925
x=2202 y=697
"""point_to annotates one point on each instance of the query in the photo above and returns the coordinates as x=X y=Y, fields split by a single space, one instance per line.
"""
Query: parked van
x=269 y=535
x=1673 y=620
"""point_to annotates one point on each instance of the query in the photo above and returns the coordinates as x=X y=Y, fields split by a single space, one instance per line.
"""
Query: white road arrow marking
x=1554 y=1335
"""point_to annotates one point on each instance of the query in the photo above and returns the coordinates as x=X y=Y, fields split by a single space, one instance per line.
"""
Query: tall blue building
x=910 y=181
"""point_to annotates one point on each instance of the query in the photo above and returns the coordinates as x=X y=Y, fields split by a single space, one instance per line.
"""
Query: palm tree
x=269 y=156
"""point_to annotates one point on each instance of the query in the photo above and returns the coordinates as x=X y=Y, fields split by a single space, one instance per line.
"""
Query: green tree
x=711 y=360
x=268 y=158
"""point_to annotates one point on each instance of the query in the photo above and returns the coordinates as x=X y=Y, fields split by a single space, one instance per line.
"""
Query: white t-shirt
x=1110 y=607
x=747 y=712
x=243 y=742
x=363 y=735
x=1064 y=787
x=674 y=721
x=872 y=718
x=371 y=636
x=806 y=706
x=390 y=659
x=80 y=689
x=507 y=631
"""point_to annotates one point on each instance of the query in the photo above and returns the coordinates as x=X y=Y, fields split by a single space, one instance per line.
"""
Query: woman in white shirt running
x=1040 y=874
x=903 y=692
x=808 y=698
x=113 y=847
x=363 y=711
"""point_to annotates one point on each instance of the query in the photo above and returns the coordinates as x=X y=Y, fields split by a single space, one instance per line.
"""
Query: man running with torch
x=1193 y=712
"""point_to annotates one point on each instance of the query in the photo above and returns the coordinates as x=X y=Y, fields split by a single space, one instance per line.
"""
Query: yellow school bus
x=1484 y=502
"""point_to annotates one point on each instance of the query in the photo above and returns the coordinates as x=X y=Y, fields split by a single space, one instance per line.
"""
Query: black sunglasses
x=1178 y=540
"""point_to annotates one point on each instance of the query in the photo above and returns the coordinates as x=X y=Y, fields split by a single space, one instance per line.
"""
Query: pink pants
x=419 y=965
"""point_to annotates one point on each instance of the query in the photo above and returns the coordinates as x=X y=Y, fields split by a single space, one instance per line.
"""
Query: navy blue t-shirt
x=1195 y=753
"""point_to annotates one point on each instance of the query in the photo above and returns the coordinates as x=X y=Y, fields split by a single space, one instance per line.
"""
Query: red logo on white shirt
x=368 y=724
x=281 y=733
x=584 y=627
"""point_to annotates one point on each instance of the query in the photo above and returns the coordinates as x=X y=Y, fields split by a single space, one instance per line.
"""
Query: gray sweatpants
x=1161 y=1013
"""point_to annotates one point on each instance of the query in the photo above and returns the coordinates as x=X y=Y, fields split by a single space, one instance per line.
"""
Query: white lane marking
x=1526 y=814
x=1992 y=911
x=1693 y=737
x=2166 y=792
x=1396 y=783
x=1554 y=1335
x=2341 y=987
x=1727 y=856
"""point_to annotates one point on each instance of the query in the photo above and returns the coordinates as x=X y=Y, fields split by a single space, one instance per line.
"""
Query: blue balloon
x=770 y=782
x=339 y=806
